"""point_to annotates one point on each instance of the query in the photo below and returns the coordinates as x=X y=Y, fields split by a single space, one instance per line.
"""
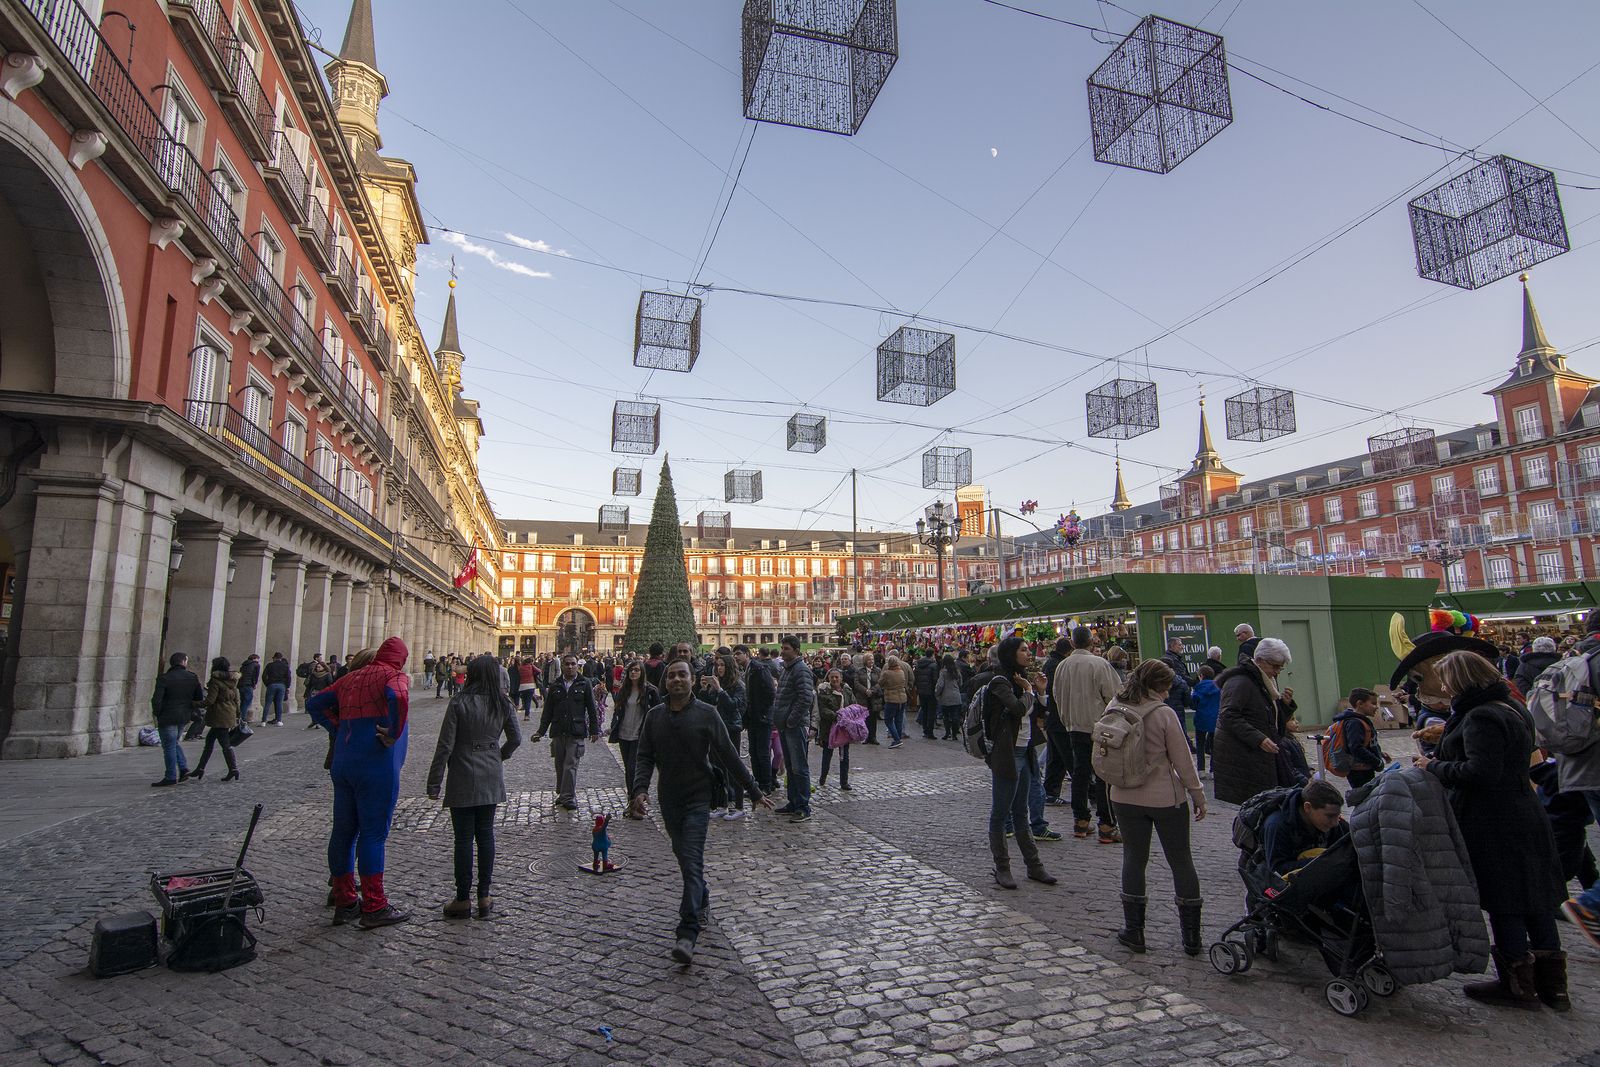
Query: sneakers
x=733 y=815
x=1110 y=835
x=896 y=744
x=1080 y=828
x=1057 y=802
x=787 y=809
x=163 y=783
x=717 y=813
x=347 y=914
x=277 y=722
x=1046 y=834
x=388 y=915
x=800 y=816
x=1587 y=922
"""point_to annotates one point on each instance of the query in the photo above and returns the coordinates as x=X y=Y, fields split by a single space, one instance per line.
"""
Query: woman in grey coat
x=470 y=748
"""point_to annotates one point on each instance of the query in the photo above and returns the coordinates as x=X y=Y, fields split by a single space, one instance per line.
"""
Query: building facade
x=221 y=430
x=565 y=585
x=1508 y=502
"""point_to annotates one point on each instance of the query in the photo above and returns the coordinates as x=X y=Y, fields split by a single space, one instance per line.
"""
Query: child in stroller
x=1298 y=865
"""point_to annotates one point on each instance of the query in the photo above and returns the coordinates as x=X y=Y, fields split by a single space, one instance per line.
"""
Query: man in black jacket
x=277 y=678
x=681 y=738
x=1178 y=695
x=178 y=692
x=569 y=717
x=760 y=691
x=925 y=676
x=1060 y=752
x=249 y=678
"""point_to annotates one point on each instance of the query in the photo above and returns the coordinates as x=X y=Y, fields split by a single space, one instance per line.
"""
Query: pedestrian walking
x=366 y=711
x=249 y=679
x=680 y=739
x=1013 y=712
x=471 y=751
x=1252 y=719
x=277 y=677
x=925 y=676
x=1483 y=762
x=176 y=696
x=794 y=712
x=569 y=717
x=634 y=700
x=222 y=716
x=1159 y=805
x=896 y=685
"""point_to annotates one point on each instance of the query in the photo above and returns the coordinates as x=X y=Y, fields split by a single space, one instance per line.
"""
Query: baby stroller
x=1321 y=905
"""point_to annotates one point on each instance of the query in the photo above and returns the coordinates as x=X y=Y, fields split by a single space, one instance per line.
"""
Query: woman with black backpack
x=1155 y=803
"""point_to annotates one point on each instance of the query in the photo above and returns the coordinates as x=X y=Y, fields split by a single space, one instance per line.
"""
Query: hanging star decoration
x=1029 y=507
x=1069 y=528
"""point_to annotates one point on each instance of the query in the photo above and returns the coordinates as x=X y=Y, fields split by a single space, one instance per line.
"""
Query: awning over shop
x=1082 y=597
x=1558 y=598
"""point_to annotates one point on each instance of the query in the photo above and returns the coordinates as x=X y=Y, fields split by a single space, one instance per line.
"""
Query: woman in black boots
x=222 y=716
x=1013 y=709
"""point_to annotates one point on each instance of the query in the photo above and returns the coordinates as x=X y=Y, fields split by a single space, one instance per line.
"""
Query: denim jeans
x=172 y=752
x=894 y=720
x=796 y=767
x=525 y=697
x=1008 y=797
x=1589 y=898
x=276 y=692
x=1036 y=820
x=686 y=829
x=247 y=697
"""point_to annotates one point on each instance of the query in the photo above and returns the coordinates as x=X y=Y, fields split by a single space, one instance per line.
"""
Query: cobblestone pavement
x=871 y=934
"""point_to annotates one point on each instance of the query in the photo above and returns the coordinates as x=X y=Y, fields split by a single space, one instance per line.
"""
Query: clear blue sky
x=583 y=126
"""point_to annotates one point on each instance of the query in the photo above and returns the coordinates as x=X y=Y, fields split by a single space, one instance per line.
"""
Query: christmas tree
x=661 y=608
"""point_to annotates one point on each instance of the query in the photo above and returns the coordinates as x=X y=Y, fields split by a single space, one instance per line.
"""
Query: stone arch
x=575 y=629
x=65 y=322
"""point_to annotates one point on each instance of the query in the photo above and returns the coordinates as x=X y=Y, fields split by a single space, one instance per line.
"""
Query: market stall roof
x=1557 y=598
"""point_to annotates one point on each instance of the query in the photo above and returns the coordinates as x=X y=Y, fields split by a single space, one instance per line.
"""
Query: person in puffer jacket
x=366 y=711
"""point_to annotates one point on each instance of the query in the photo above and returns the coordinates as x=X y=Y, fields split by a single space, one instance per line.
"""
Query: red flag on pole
x=469 y=570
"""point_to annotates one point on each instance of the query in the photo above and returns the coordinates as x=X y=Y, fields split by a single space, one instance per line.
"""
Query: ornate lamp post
x=721 y=604
x=939 y=529
x=1445 y=554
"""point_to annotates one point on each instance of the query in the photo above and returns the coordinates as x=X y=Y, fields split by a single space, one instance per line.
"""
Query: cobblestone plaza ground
x=872 y=933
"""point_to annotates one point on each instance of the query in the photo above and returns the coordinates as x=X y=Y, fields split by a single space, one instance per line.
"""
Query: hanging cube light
x=627 y=481
x=946 y=468
x=1161 y=95
x=635 y=427
x=807 y=432
x=613 y=518
x=818 y=65
x=715 y=525
x=741 y=487
x=1122 y=408
x=1497 y=219
x=1260 y=414
x=1402 y=450
x=666 y=332
x=916 y=366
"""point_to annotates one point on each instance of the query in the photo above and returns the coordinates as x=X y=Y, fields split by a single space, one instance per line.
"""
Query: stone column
x=285 y=602
x=198 y=592
x=314 y=611
x=338 y=638
x=361 y=610
x=248 y=598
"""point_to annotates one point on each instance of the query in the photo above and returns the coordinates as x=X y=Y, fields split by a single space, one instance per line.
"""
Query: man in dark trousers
x=680 y=738
x=760 y=691
x=1059 y=760
x=570 y=716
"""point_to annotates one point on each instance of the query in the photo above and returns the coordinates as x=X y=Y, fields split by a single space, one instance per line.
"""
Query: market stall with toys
x=1513 y=617
x=1337 y=628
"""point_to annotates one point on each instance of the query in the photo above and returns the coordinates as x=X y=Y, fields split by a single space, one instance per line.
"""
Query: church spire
x=360 y=44
x=449 y=338
x=1535 y=345
x=1119 y=500
x=1207 y=450
x=358 y=86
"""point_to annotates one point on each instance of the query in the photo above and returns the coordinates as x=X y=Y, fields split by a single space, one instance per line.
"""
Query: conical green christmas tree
x=661 y=607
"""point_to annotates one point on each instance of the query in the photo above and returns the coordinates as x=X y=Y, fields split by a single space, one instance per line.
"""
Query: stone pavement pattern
x=871 y=934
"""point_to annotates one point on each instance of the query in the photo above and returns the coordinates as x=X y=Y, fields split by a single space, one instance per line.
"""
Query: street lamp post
x=939 y=529
x=1446 y=555
x=721 y=604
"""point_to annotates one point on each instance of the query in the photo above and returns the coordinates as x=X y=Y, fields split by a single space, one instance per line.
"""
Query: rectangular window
x=783 y=568
x=1550 y=567
x=1371 y=541
x=749 y=566
x=622 y=589
x=1412 y=570
x=1367 y=503
x=1336 y=544
x=508 y=587
x=1220 y=529
x=834 y=567
x=713 y=565
x=1486 y=480
x=1405 y=496
x=547 y=588
x=1247 y=526
x=1443 y=484
x=510 y=561
x=766 y=566
x=605 y=589
x=638 y=561
x=575 y=588
x=529 y=617
x=1535 y=472
x=1300 y=516
x=1589 y=461
x=1499 y=571
x=1457 y=574
x=800 y=568
x=1333 y=509
x=1530 y=424
x=748 y=590
x=1197 y=535
x=530 y=587
x=694 y=565
x=547 y=562
x=576 y=564
x=530 y=562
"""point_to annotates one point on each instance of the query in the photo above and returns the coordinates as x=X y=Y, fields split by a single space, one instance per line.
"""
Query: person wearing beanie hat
x=1538 y=660
x=222 y=715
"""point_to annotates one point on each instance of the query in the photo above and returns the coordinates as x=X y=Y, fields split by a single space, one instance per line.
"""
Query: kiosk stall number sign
x=1193 y=632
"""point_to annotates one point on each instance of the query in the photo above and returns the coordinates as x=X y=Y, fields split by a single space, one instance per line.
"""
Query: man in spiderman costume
x=366 y=712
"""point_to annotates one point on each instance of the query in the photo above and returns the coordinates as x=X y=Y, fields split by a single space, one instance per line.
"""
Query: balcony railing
x=257 y=449
x=316 y=231
x=286 y=177
x=246 y=105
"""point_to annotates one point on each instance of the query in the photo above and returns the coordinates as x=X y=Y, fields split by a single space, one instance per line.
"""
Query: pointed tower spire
x=1207 y=450
x=1535 y=344
x=449 y=351
x=1119 y=500
x=360 y=44
x=449 y=338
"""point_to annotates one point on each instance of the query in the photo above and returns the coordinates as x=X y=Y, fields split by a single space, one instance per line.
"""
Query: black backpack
x=1253 y=815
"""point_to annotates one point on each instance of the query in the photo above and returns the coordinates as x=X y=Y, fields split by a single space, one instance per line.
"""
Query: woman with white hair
x=1245 y=756
x=1539 y=658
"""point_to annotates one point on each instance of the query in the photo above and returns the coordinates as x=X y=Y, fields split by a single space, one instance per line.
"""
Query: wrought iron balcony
x=245 y=103
x=316 y=232
x=203 y=29
x=341 y=280
x=258 y=450
x=285 y=176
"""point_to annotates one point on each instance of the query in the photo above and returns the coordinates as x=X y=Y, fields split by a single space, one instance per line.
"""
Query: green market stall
x=1337 y=627
x=1525 y=601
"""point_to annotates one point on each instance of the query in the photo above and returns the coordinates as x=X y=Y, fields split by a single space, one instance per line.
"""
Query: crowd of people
x=1135 y=742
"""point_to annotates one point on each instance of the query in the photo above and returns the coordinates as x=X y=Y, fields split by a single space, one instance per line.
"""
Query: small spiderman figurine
x=602 y=845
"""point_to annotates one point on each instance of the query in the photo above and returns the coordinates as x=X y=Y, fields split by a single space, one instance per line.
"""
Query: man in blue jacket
x=791 y=715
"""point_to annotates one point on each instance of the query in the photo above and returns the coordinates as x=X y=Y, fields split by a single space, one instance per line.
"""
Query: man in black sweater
x=680 y=738
x=760 y=692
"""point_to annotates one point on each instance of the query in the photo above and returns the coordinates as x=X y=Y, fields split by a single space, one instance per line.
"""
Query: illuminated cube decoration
x=916 y=366
x=1183 y=498
x=807 y=433
x=946 y=468
x=1161 y=95
x=613 y=518
x=1401 y=450
x=1260 y=414
x=666 y=332
x=1122 y=408
x=1497 y=219
x=716 y=525
x=817 y=64
x=635 y=427
x=741 y=487
x=627 y=481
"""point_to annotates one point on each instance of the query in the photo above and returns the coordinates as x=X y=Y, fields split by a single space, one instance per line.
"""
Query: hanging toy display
x=1069 y=528
x=1028 y=507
